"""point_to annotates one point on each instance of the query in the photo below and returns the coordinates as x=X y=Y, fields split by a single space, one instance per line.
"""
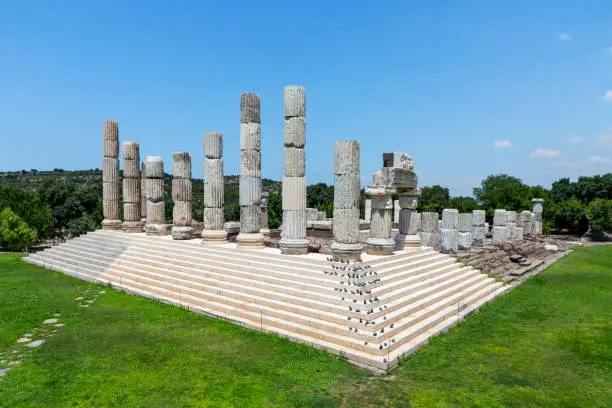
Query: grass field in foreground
x=547 y=343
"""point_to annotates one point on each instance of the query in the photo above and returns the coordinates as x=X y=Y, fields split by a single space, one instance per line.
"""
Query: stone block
x=450 y=218
x=213 y=144
x=294 y=193
x=249 y=108
x=250 y=191
x=478 y=218
x=250 y=219
x=499 y=218
x=156 y=212
x=346 y=190
x=250 y=163
x=131 y=190
x=110 y=129
x=465 y=240
x=110 y=170
x=396 y=211
x=131 y=212
x=381 y=202
x=449 y=239
x=518 y=235
x=131 y=168
x=213 y=195
x=510 y=231
x=429 y=222
x=182 y=232
x=250 y=136
x=294 y=101
x=499 y=235
x=346 y=225
x=155 y=189
x=380 y=226
x=181 y=165
x=294 y=162
x=398 y=178
x=110 y=148
x=408 y=202
x=131 y=151
x=465 y=222
x=479 y=234
x=155 y=167
x=181 y=189
x=346 y=157
x=430 y=239
x=294 y=224
x=294 y=132
x=537 y=228
x=414 y=222
x=213 y=171
x=511 y=216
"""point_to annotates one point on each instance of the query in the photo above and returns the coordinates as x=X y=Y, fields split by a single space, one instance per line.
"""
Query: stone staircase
x=387 y=310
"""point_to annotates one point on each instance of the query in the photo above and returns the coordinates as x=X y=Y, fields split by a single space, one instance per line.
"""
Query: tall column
x=181 y=195
x=293 y=237
x=408 y=203
x=131 y=188
x=538 y=209
x=347 y=181
x=143 y=196
x=250 y=172
x=214 y=217
x=380 y=242
x=110 y=175
x=449 y=236
x=156 y=209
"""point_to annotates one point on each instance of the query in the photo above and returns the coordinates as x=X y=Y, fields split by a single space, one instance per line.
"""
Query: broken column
x=408 y=236
x=250 y=172
x=181 y=195
x=110 y=175
x=367 y=214
x=479 y=232
x=538 y=209
x=511 y=232
x=499 y=227
x=466 y=228
x=214 y=198
x=449 y=236
x=347 y=183
x=293 y=236
x=430 y=230
x=132 y=220
x=156 y=210
x=380 y=242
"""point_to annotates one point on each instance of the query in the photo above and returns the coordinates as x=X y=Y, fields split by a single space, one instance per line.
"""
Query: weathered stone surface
x=478 y=218
x=111 y=209
x=396 y=211
x=131 y=151
x=250 y=163
x=382 y=201
x=213 y=171
x=414 y=222
x=294 y=224
x=523 y=216
x=394 y=177
x=181 y=213
x=465 y=222
x=346 y=252
x=181 y=167
x=110 y=170
x=537 y=227
x=380 y=225
x=346 y=157
x=294 y=194
x=213 y=145
x=214 y=218
x=510 y=231
x=249 y=108
x=408 y=202
x=500 y=218
x=449 y=239
x=250 y=191
x=131 y=168
x=295 y=132
x=250 y=136
x=155 y=167
x=155 y=189
x=294 y=159
x=465 y=240
x=213 y=195
x=528 y=228
x=294 y=101
x=346 y=225
x=380 y=246
x=110 y=147
x=478 y=235
x=450 y=218
x=430 y=239
x=131 y=191
x=131 y=211
x=430 y=222
x=155 y=212
x=518 y=234
x=158 y=229
x=250 y=219
x=181 y=189
x=499 y=235
x=182 y=232
x=110 y=191
x=538 y=206
x=511 y=216
x=132 y=226
x=110 y=130
x=346 y=190
x=368 y=209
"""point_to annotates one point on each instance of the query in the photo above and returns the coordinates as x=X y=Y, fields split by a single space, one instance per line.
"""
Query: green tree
x=570 y=215
x=600 y=216
x=275 y=210
x=14 y=232
x=463 y=204
x=434 y=198
x=29 y=207
x=503 y=191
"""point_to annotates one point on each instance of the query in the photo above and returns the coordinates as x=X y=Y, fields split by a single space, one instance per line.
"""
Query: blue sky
x=467 y=88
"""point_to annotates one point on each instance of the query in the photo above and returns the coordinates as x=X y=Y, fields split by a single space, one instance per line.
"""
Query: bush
x=600 y=215
x=14 y=233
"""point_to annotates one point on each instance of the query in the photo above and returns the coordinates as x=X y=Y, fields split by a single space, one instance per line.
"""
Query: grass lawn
x=547 y=343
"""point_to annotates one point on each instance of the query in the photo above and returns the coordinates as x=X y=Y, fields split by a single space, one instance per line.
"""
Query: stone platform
x=410 y=296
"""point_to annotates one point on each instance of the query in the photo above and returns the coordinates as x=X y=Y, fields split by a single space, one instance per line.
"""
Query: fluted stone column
x=110 y=175
x=347 y=181
x=466 y=228
x=367 y=215
x=250 y=172
x=214 y=198
x=449 y=235
x=479 y=232
x=538 y=209
x=156 y=209
x=408 y=236
x=293 y=236
x=430 y=230
x=499 y=227
x=131 y=188
x=181 y=195
x=380 y=242
x=143 y=196
x=264 y=228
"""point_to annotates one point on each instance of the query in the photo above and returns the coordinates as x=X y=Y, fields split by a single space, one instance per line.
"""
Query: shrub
x=14 y=233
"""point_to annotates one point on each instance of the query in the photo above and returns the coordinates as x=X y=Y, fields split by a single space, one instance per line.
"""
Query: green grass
x=548 y=343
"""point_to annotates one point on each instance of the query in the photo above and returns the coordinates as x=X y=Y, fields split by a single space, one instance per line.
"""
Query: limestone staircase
x=410 y=297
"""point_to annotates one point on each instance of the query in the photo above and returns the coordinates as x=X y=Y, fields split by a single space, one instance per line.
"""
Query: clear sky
x=467 y=88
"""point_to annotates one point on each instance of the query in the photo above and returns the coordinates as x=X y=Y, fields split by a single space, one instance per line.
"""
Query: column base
x=214 y=237
x=379 y=246
x=111 y=225
x=404 y=241
x=132 y=226
x=251 y=240
x=346 y=252
x=289 y=246
x=158 y=229
x=265 y=232
x=180 y=232
x=143 y=221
